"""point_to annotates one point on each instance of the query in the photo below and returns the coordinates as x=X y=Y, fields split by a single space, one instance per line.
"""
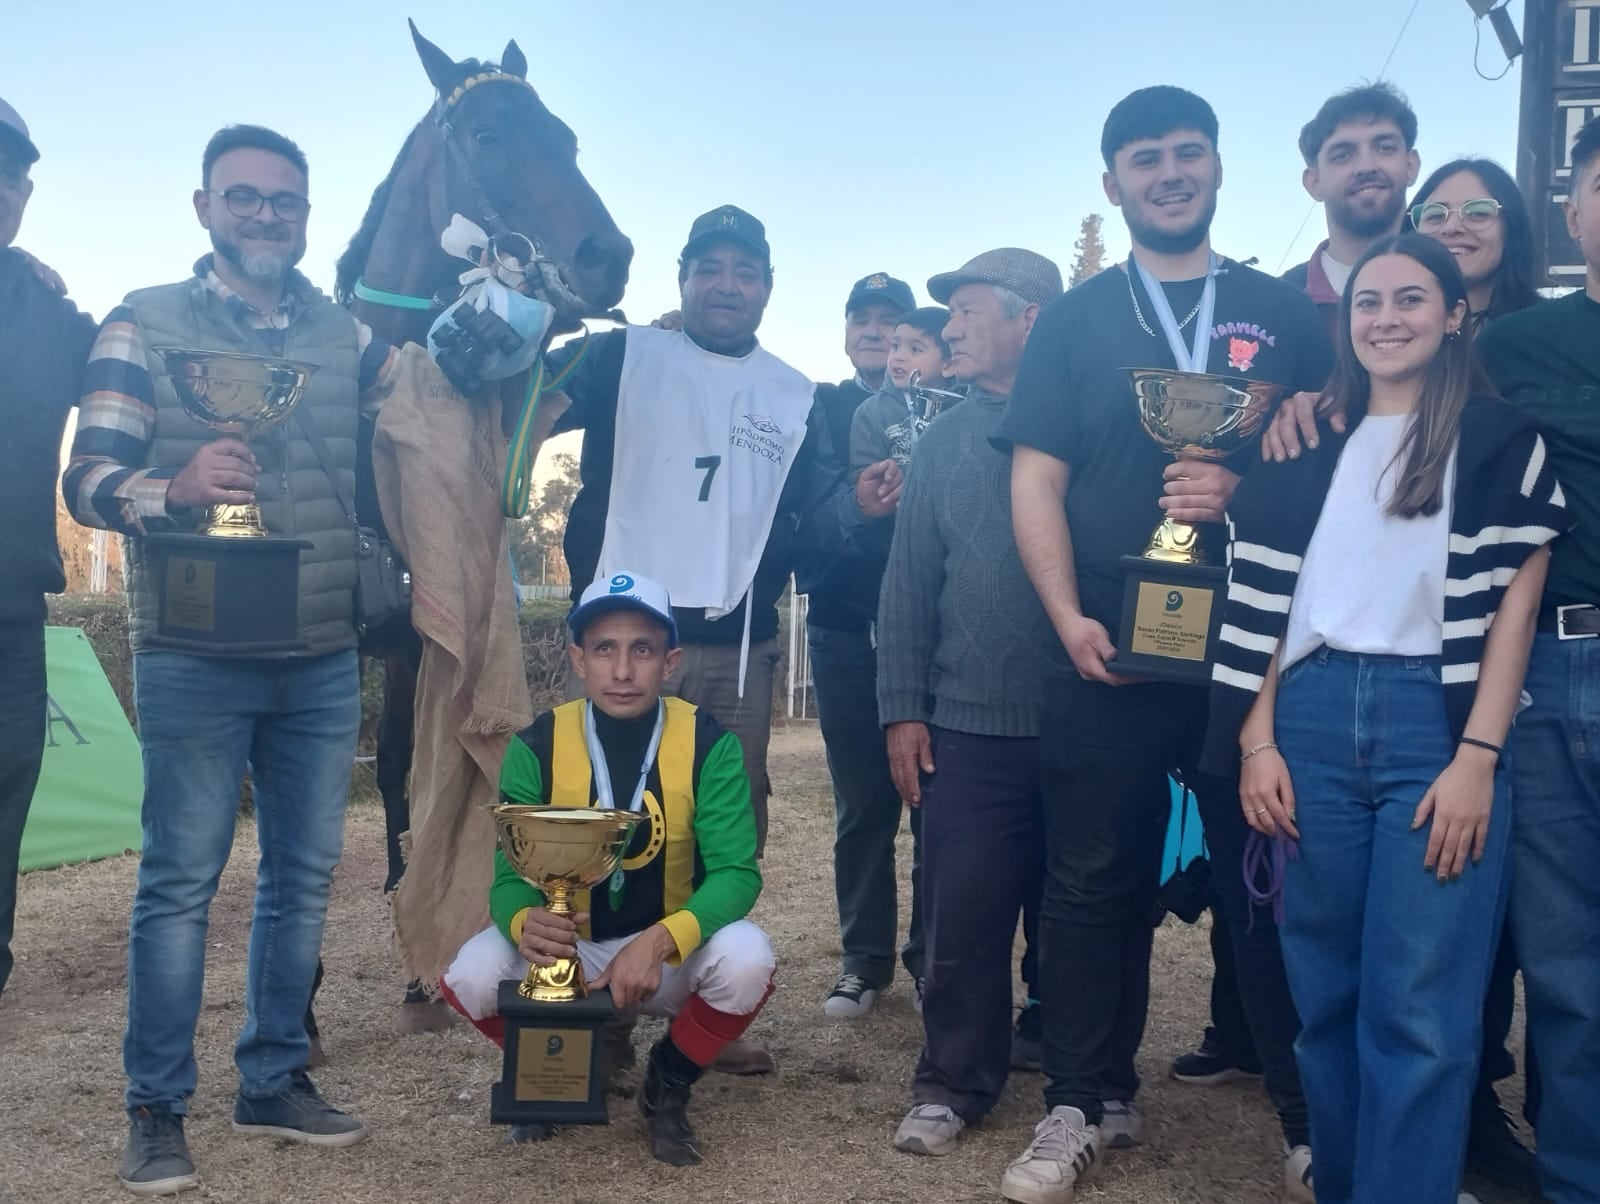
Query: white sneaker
x=1122 y=1126
x=1297 y=1185
x=852 y=997
x=1062 y=1154
x=928 y=1129
x=1466 y=1197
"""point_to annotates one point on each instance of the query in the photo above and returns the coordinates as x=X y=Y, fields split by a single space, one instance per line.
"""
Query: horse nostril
x=604 y=256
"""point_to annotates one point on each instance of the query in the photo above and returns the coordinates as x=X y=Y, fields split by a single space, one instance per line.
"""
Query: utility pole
x=1560 y=91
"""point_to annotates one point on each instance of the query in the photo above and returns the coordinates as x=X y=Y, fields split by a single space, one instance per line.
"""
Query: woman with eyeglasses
x=1382 y=594
x=1474 y=208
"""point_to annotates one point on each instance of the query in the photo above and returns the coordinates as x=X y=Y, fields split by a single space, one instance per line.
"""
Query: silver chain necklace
x=1139 y=313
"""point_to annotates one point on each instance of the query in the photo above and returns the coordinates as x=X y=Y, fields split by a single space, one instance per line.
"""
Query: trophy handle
x=563 y=981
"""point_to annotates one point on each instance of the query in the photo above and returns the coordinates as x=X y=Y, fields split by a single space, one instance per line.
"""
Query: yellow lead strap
x=517 y=488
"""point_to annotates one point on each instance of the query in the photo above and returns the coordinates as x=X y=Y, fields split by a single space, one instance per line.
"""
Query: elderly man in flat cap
x=44 y=342
x=959 y=633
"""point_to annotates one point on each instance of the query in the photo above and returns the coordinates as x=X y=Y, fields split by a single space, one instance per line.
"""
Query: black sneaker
x=156 y=1161
x=1211 y=1064
x=1027 y=1039
x=298 y=1114
x=1494 y=1150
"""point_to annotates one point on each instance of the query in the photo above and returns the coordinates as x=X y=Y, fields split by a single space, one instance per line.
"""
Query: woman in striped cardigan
x=1381 y=600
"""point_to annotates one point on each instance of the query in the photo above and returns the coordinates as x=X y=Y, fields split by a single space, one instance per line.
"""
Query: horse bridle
x=547 y=283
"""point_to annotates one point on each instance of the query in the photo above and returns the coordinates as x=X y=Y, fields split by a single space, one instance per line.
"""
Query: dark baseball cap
x=14 y=132
x=1031 y=276
x=883 y=289
x=730 y=223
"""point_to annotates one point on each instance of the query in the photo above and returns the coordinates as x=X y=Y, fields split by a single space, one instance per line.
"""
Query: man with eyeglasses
x=141 y=466
x=43 y=343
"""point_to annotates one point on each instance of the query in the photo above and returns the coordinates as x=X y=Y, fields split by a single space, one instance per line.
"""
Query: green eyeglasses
x=1475 y=215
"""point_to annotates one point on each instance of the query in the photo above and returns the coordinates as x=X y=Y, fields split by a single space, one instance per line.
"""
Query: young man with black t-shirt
x=1087 y=487
x=1546 y=360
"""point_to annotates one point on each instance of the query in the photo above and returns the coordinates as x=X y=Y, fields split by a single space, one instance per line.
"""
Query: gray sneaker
x=1122 y=1125
x=156 y=1161
x=928 y=1129
x=298 y=1114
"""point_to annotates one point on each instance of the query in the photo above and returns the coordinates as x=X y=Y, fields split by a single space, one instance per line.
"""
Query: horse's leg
x=396 y=745
x=393 y=761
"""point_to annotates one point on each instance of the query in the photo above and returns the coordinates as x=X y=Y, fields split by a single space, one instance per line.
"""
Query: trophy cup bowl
x=234 y=394
x=1197 y=416
x=560 y=851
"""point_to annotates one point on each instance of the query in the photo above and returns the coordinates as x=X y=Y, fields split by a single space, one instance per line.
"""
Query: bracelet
x=1260 y=748
x=1494 y=748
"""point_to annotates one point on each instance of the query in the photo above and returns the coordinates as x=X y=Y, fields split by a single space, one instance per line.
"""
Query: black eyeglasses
x=247 y=202
x=1475 y=215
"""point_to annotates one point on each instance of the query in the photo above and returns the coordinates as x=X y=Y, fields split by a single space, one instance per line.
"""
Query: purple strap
x=1264 y=856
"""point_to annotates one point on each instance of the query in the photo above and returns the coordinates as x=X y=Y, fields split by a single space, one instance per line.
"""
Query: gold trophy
x=229 y=587
x=1172 y=601
x=553 y=1072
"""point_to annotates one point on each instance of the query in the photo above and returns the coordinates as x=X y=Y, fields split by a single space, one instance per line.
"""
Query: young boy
x=670 y=939
x=887 y=424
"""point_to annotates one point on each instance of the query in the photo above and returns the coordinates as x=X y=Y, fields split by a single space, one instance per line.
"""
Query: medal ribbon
x=1195 y=357
x=604 y=796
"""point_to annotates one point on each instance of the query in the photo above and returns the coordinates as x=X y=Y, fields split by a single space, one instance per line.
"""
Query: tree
x=536 y=541
x=1090 y=251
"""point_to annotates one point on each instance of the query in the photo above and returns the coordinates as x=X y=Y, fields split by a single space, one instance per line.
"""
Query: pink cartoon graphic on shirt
x=1242 y=353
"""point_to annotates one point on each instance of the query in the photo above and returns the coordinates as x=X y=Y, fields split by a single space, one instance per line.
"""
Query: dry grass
x=817 y=1132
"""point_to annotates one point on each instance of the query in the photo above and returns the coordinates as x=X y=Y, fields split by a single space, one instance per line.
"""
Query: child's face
x=623 y=662
x=912 y=350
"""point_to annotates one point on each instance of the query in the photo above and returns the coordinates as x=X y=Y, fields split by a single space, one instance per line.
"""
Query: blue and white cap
x=624 y=591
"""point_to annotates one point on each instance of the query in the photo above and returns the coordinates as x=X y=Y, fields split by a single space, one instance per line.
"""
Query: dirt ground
x=817 y=1131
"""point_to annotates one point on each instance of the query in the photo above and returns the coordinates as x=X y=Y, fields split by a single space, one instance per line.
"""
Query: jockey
x=668 y=935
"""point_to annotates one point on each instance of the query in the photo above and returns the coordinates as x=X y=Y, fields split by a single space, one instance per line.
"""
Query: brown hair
x=1452 y=379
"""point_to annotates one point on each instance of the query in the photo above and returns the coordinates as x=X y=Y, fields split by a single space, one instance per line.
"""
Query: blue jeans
x=201 y=721
x=1555 y=906
x=1388 y=967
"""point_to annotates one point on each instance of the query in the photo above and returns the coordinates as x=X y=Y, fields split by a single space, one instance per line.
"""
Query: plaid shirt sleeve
x=103 y=485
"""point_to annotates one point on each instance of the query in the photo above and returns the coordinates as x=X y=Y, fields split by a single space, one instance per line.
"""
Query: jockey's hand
x=634 y=974
x=547 y=937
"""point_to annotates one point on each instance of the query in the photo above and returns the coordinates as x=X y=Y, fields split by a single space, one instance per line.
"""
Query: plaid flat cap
x=1032 y=277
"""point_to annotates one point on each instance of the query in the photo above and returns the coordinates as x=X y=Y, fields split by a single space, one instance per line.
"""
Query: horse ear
x=441 y=68
x=514 y=62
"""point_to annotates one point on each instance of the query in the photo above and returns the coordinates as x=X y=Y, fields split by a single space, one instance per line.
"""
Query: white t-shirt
x=1338 y=273
x=1371 y=582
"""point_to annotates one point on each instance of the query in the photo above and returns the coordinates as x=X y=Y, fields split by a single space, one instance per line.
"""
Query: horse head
x=490 y=151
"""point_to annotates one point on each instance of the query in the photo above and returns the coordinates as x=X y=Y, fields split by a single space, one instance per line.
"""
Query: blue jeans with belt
x=1387 y=965
x=1555 y=906
x=202 y=720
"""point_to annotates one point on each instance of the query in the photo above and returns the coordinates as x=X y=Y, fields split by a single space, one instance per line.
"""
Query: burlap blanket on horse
x=438 y=461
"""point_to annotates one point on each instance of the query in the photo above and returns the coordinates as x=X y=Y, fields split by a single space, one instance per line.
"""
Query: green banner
x=87 y=803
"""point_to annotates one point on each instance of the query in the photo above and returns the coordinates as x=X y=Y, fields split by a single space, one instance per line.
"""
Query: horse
x=489 y=150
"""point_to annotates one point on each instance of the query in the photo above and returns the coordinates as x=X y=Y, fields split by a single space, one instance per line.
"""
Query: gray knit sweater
x=960 y=630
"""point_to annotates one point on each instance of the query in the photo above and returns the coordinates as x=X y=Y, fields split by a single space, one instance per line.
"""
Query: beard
x=1367 y=223
x=267 y=267
x=1169 y=242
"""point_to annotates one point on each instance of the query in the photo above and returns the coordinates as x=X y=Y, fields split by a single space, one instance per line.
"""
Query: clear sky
x=903 y=137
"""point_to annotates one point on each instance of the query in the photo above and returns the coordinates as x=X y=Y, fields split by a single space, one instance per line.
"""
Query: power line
x=1382 y=71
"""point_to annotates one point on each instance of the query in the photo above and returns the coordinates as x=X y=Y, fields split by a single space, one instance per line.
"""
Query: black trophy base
x=1171 y=614
x=226 y=596
x=553 y=1073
